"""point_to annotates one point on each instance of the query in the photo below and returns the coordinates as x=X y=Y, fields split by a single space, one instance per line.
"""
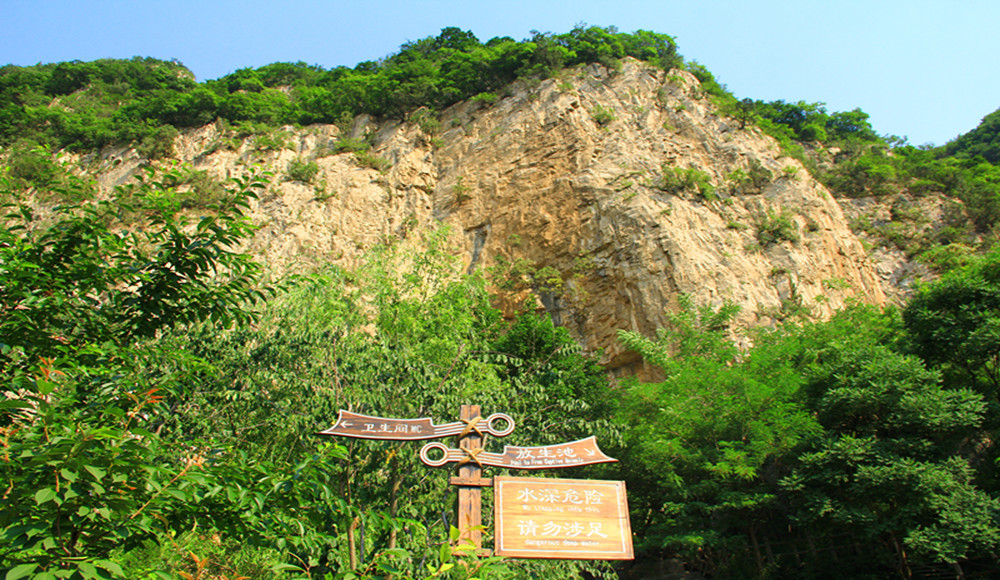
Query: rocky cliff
x=566 y=178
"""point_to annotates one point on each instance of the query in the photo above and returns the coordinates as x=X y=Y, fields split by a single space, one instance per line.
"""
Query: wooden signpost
x=534 y=517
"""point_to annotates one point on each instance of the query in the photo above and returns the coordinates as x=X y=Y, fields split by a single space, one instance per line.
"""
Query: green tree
x=82 y=303
x=983 y=141
x=954 y=324
x=704 y=446
x=887 y=467
x=816 y=431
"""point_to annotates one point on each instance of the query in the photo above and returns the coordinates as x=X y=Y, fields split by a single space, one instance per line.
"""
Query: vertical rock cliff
x=620 y=190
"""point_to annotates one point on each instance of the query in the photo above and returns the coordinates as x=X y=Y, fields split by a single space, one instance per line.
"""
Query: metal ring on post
x=431 y=462
x=499 y=417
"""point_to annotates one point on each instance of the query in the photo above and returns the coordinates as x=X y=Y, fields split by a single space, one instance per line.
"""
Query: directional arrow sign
x=368 y=427
x=573 y=454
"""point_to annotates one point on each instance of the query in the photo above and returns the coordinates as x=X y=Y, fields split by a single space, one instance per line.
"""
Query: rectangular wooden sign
x=572 y=519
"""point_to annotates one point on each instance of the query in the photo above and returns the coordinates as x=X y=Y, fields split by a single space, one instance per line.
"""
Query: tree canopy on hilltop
x=86 y=105
x=982 y=141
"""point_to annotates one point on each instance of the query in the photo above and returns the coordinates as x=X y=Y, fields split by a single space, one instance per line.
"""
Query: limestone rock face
x=566 y=176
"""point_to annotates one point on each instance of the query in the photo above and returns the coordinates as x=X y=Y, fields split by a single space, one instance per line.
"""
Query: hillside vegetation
x=144 y=101
x=91 y=104
x=161 y=397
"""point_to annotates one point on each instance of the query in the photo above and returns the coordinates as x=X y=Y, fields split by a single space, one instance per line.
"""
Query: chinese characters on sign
x=561 y=518
x=369 y=427
x=573 y=454
x=582 y=452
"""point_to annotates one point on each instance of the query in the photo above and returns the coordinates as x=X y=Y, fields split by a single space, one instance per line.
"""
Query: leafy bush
x=947 y=257
x=676 y=180
x=199 y=553
x=484 y=98
x=707 y=81
x=158 y=143
x=461 y=190
x=198 y=189
x=180 y=188
x=36 y=168
x=753 y=180
x=426 y=120
x=301 y=170
x=775 y=228
x=352 y=145
x=602 y=115
x=270 y=140
x=87 y=471
x=872 y=173
x=372 y=161
x=813 y=132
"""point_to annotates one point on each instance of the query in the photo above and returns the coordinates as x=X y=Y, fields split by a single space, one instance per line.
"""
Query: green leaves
x=84 y=472
x=404 y=335
x=143 y=100
x=96 y=472
x=46 y=494
x=20 y=571
x=78 y=279
x=820 y=429
x=955 y=323
x=702 y=446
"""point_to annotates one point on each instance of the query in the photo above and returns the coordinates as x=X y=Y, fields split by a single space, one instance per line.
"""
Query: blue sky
x=927 y=70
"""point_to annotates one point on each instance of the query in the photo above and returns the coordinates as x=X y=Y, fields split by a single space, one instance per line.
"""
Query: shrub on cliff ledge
x=776 y=228
x=676 y=180
x=302 y=170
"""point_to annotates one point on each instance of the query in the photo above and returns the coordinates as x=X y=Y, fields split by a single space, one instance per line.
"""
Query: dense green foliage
x=810 y=122
x=983 y=141
x=824 y=436
x=82 y=304
x=90 y=104
x=83 y=105
x=845 y=153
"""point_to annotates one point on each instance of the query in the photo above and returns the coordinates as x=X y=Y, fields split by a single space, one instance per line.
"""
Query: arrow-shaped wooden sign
x=368 y=427
x=572 y=454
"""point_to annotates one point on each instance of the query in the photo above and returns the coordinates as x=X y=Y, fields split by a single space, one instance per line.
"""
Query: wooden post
x=470 y=502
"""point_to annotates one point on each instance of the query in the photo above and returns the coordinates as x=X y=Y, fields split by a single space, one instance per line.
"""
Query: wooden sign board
x=572 y=454
x=572 y=519
x=370 y=427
